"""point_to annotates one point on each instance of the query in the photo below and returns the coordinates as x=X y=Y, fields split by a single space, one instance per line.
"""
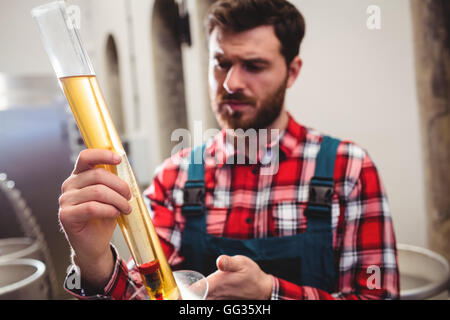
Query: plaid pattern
x=243 y=204
x=123 y=284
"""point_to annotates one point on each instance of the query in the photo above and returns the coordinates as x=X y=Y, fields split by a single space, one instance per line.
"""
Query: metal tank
x=19 y=248
x=37 y=140
x=424 y=274
x=23 y=279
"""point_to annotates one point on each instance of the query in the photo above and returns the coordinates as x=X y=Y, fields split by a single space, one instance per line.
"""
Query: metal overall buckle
x=193 y=199
x=320 y=197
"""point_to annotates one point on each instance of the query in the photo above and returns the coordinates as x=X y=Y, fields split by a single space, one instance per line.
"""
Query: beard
x=269 y=110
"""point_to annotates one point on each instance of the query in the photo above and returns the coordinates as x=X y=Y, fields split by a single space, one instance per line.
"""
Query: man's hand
x=239 y=278
x=92 y=199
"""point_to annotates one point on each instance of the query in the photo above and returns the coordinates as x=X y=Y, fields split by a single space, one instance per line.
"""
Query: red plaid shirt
x=244 y=204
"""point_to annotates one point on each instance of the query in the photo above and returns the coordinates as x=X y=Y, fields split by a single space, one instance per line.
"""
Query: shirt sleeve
x=124 y=284
x=366 y=254
x=162 y=208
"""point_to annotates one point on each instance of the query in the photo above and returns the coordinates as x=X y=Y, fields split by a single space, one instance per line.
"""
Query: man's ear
x=294 y=71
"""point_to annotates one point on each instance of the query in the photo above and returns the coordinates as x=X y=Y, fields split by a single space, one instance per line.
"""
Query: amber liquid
x=98 y=132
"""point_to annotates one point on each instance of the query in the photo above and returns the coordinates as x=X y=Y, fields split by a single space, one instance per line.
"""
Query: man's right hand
x=92 y=199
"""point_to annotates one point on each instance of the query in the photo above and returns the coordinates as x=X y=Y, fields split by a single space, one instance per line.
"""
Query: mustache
x=236 y=97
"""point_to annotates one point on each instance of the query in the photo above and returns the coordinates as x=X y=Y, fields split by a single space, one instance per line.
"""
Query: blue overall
x=306 y=259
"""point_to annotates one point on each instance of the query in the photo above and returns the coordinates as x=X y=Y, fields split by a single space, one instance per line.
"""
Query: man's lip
x=236 y=104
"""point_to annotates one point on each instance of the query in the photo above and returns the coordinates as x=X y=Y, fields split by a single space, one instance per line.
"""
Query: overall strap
x=194 y=189
x=322 y=184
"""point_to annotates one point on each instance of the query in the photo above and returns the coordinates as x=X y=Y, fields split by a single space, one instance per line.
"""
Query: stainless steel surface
x=35 y=153
x=424 y=274
x=19 y=248
x=30 y=229
x=23 y=279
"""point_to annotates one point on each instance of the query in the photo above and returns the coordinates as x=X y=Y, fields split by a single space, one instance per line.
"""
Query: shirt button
x=255 y=170
x=248 y=220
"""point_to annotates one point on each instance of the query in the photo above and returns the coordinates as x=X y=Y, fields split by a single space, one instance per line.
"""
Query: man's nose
x=234 y=81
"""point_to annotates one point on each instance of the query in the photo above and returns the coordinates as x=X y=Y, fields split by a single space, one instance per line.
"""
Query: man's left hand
x=237 y=278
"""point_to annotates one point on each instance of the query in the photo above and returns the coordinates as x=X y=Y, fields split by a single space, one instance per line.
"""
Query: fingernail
x=117 y=158
x=218 y=263
x=129 y=209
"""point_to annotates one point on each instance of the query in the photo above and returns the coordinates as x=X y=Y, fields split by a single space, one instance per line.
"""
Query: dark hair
x=243 y=15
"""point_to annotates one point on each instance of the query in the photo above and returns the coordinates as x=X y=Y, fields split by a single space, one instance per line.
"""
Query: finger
x=198 y=288
x=90 y=158
x=95 y=177
x=214 y=282
x=97 y=193
x=228 y=264
x=86 y=211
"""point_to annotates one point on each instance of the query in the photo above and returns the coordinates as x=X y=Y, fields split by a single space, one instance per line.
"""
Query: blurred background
x=357 y=83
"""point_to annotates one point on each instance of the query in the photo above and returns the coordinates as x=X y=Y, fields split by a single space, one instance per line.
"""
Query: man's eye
x=253 y=67
x=223 y=65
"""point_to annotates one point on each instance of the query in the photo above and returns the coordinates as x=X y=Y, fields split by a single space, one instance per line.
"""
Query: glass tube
x=77 y=78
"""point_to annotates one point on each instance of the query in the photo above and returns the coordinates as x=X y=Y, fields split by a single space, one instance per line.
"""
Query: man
x=317 y=228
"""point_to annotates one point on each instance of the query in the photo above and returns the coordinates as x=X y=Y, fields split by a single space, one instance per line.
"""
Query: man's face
x=248 y=77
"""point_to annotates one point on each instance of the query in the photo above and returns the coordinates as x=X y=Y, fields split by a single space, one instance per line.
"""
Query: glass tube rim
x=42 y=9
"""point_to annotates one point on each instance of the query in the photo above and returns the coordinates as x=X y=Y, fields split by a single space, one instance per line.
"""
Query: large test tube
x=77 y=78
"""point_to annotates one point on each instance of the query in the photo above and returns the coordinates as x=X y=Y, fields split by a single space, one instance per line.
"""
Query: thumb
x=228 y=264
